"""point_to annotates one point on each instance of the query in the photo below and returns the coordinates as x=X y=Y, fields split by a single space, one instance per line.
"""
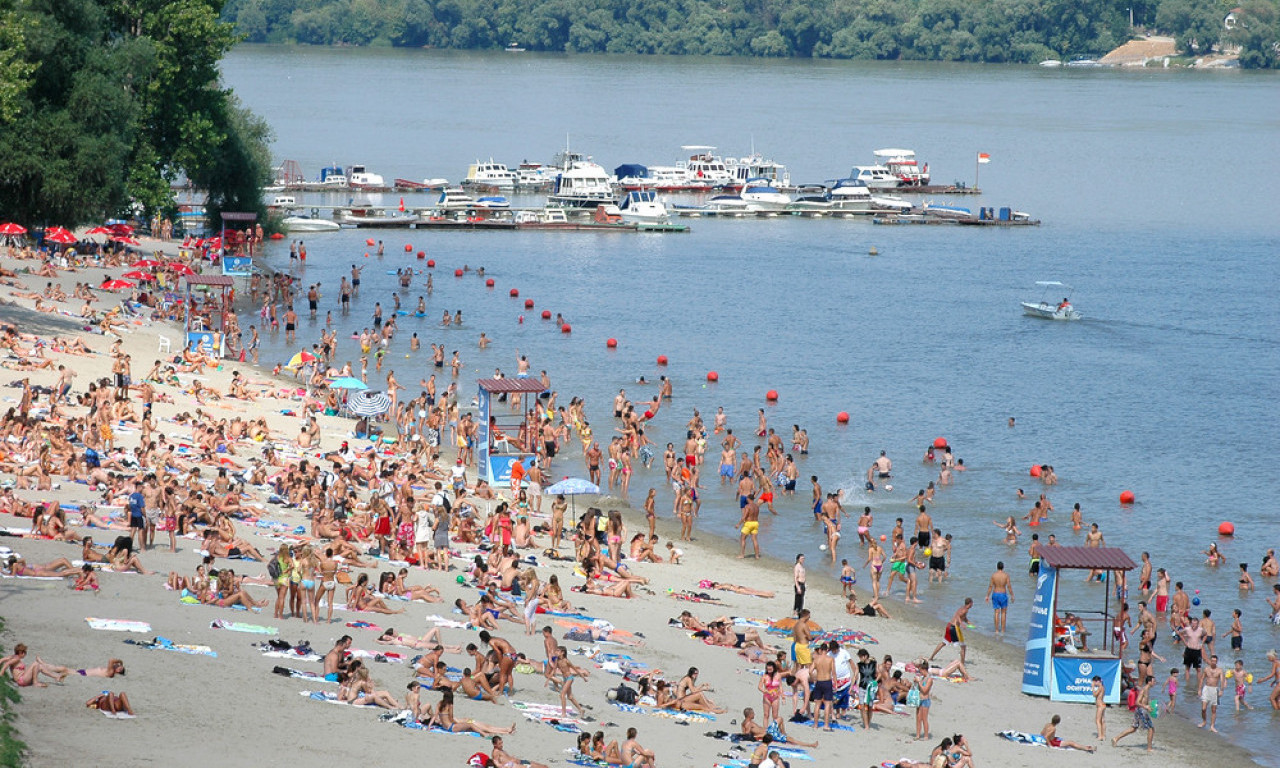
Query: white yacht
x=489 y=174
x=755 y=166
x=643 y=205
x=902 y=163
x=360 y=178
x=455 y=199
x=875 y=176
x=760 y=194
x=308 y=224
x=704 y=169
x=333 y=177
x=583 y=184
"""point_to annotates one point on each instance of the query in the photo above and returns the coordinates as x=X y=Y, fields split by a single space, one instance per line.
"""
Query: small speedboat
x=643 y=205
x=1046 y=308
x=492 y=202
x=308 y=224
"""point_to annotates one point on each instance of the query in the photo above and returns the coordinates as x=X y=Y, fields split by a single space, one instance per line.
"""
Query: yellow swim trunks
x=801 y=653
x=750 y=527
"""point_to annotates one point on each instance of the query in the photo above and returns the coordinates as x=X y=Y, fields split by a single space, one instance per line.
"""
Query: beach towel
x=835 y=725
x=272 y=653
x=329 y=697
x=301 y=675
x=378 y=656
x=165 y=644
x=550 y=714
x=441 y=621
x=845 y=636
x=672 y=714
x=119 y=625
x=788 y=752
x=404 y=719
x=1021 y=737
x=741 y=621
x=363 y=625
x=239 y=626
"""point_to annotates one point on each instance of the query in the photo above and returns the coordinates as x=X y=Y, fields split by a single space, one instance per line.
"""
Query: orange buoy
x=771 y=395
x=939 y=442
x=277 y=235
x=488 y=283
x=611 y=343
x=546 y=314
x=366 y=254
x=1226 y=529
x=713 y=376
x=369 y=241
x=883 y=537
x=514 y=293
x=662 y=359
x=566 y=328
x=408 y=247
x=528 y=303
x=422 y=254
x=431 y=263
x=457 y=273
x=842 y=417
x=1126 y=497
x=1035 y=470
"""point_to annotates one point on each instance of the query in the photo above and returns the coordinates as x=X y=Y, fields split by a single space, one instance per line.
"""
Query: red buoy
x=408 y=247
x=713 y=376
x=842 y=417
x=611 y=343
x=431 y=263
x=369 y=241
x=422 y=254
x=1126 y=497
x=1035 y=470
x=546 y=314
x=528 y=303
x=514 y=293
x=1226 y=529
x=662 y=359
x=488 y=283
x=457 y=273
x=771 y=395
x=566 y=328
x=277 y=235
x=939 y=442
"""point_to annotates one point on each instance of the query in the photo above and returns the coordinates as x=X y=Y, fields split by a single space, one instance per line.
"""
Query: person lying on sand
x=114 y=705
x=114 y=667
x=776 y=732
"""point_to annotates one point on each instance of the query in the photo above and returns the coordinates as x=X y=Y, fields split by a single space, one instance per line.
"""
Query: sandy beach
x=234 y=707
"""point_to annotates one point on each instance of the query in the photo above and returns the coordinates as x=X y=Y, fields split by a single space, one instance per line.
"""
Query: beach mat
x=119 y=625
x=329 y=697
x=670 y=714
x=1022 y=737
x=165 y=644
x=240 y=626
x=301 y=674
x=550 y=714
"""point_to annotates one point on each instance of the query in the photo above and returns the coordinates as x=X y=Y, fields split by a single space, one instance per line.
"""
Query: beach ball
x=842 y=417
x=1226 y=529
x=1126 y=497
x=822 y=547
x=1035 y=470
x=462 y=579
x=939 y=442
x=928 y=551
x=1195 y=601
x=888 y=487
x=882 y=537
x=662 y=359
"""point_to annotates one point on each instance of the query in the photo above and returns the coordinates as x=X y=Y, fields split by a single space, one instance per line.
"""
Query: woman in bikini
x=359 y=598
x=875 y=559
x=771 y=691
x=691 y=697
x=361 y=691
x=444 y=719
x=60 y=568
x=28 y=675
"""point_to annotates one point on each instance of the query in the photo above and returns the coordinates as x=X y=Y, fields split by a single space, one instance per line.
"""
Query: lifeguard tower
x=498 y=444
x=1058 y=662
x=206 y=314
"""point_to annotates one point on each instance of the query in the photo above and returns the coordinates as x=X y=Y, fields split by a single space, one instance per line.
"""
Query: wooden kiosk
x=1059 y=663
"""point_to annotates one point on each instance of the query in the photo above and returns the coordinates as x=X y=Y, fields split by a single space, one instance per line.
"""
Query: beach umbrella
x=369 y=403
x=9 y=228
x=126 y=240
x=301 y=359
x=348 y=382
x=179 y=268
x=59 y=235
x=573 y=487
x=120 y=229
x=115 y=285
x=145 y=264
x=138 y=274
x=99 y=231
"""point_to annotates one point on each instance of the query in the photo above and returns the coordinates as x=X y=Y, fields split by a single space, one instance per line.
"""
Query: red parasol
x=145 y=264
x=115 y=285
x=138 y=274
x=99 y=231
x=180 y=268
x=10 y=228
x=125 y=240
x=59 y=235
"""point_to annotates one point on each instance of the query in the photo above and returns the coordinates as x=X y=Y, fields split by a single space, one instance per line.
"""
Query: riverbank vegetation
x=104 y=103
x=935 y=30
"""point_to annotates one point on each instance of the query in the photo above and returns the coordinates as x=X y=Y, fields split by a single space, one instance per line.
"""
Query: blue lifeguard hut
x=1058 y=662
x=496 y=449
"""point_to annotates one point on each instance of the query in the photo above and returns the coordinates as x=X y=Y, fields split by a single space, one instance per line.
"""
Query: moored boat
x=489 y=175
x=308 y=224
x=643 y=205
x=902 y=163
x=584 y=185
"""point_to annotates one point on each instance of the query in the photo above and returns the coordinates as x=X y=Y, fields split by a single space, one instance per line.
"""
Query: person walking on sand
x=1141 y=715
x=1000 y=594
x=797 y=579
x=953 y=633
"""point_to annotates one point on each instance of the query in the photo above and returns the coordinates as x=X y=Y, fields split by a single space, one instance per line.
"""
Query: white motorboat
x=875 y=176
x=489 y=174
x=890 y=203
x=643 y=205
x=704 y=168
x=1046 y=308
x=368 y=216
x=283 y=201
x=756 y=166
x=308 y=224
x=359 y=178
x=902 y=163
x=760 y=194
x=584 y=184
x=333 y=176
x=455 y=199
x=946 y=211
x=493 y=203
x=1051 y=63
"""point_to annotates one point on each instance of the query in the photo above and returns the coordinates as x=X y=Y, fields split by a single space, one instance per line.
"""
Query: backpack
x=626 y=694
x=1132 y=700
x=273 y=568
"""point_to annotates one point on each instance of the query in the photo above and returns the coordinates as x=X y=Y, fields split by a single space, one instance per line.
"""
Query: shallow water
x=1157 y=192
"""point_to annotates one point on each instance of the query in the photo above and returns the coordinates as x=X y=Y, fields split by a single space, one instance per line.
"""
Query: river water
x=1158 y=193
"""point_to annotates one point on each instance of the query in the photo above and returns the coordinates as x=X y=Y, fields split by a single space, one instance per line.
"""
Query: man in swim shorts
x=1000 y=594
x=953 y=633
x=823 y=691
x=334 y=660
x=749 y=525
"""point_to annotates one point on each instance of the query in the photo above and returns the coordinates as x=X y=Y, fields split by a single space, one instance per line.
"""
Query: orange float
x=662 y=359
x=1226 y=529
x=771 y=395
x=1126 y=497
x=1035 y=470
x=713 y=376
x=566 y=328
x=611 y=343
x=546 y=314
x=939 y=442
x=842 y=417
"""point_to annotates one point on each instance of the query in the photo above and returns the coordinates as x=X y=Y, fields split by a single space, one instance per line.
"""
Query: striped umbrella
x=369 y=403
